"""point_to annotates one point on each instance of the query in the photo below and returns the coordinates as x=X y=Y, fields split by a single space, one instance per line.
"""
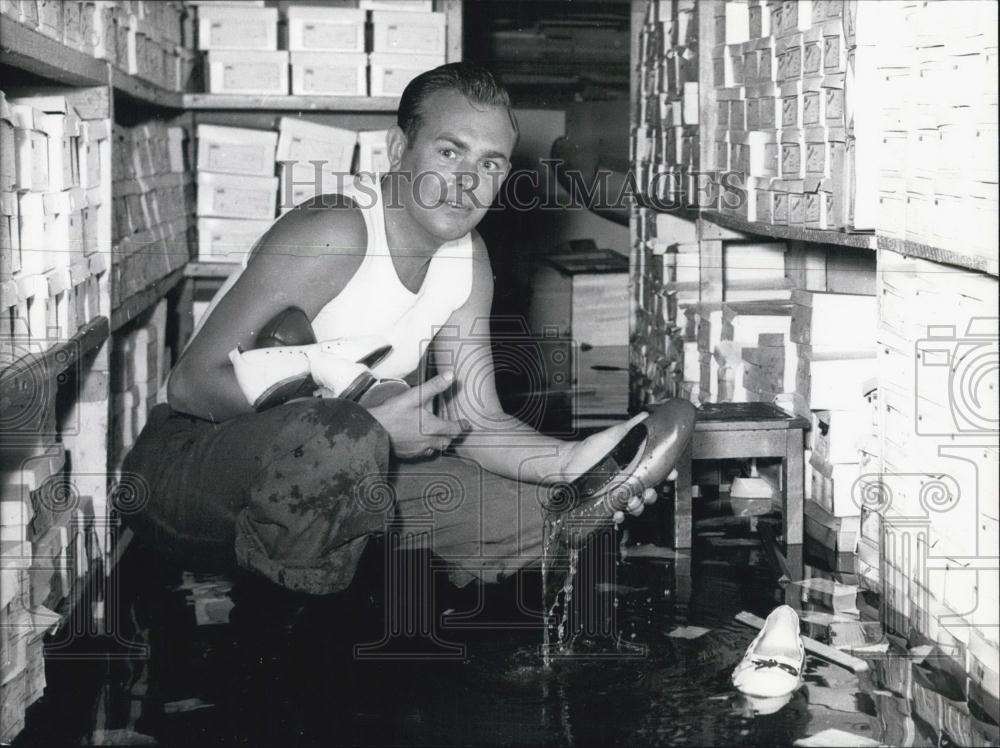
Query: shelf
x=208 y=270
x=139 y=302
x=28 y=50
x=794 y=233
x=144 y=91
x=937 y=254
x=19 y=381
x=207 y=101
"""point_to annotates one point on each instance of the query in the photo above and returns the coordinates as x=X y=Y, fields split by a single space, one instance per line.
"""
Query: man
x=295 y=491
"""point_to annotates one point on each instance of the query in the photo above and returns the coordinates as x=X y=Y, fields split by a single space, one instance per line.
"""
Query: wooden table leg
x=683 y=490
x=794 y=470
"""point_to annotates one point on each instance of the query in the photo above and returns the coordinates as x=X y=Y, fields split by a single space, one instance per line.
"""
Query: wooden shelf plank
x=33 y=52
x=203 y=270
x=205 y=101
x=19 y=381
x=139 y=302
x=794 y=233
x=938 y=254
x=144 y=91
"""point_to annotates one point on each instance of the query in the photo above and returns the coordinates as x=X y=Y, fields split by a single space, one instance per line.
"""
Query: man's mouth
x=456 y=205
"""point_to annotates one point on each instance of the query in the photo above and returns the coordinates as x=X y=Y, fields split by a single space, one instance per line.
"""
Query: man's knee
x=341 y=425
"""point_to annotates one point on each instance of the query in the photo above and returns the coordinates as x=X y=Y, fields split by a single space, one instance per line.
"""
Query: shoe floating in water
x=772 y=668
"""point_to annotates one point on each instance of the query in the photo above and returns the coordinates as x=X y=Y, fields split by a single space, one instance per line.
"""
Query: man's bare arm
x=305 y=259
x=499 y=442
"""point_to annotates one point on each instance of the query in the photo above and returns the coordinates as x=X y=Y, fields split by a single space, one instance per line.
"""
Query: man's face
x=455 y=164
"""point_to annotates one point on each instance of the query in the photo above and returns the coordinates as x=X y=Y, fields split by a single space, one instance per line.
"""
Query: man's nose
x=465 y=179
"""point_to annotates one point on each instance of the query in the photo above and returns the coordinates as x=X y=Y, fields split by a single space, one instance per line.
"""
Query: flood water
x=283 y=673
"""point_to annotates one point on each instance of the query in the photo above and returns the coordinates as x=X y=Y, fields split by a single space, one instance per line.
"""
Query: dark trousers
x=295 y=492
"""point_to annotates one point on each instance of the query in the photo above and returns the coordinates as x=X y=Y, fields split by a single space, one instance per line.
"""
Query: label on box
x=816 y=159
x=330 y=79
x=796 y=209
x=834 y=104
x=790 y=111
x=767 y=112
x=330 y=35
x=779 y=212
x=235 y=34
x=737 y=114
x=812 y=207
x=231 y=157
x=765 y=65
x=243 y=202
x=251 y=75
x=791 y=159
x=812 y=58
x=811 y=108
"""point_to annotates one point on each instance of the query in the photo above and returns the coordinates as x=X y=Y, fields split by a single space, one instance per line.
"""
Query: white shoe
x=340 y=375
x=764 y=706
x=775 y=659
x=268 y=373
x=363 y=349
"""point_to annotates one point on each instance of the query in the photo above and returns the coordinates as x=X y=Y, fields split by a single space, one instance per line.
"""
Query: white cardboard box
x=10 y=238
x=296 y=187
x=418 y=6
x=231 y=196
x=329 y=73
x=304 y=141
x=221 y=27
x=316 y=29
x=31 y=148
x=228 y=239
x=418 y=33
x=236 y=150
x=373 y=153
x=247 y=72
x=34 y=257
x=390 y=72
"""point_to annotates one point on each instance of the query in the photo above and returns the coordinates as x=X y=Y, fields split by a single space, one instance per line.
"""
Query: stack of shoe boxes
x=405 y=43
x=664 y=155
x=153 y=199
x=665 y=142
x=237 y=189
x=138 y=368
x=934 y=84
x=314 y=50
x=50 y=197
x=937 y=423
x=144 y=38
x=314 y=159
x=241 y=45
x=326 y=49
x=783 y=111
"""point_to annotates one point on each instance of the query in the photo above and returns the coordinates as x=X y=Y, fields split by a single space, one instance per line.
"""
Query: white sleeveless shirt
x=375 y=301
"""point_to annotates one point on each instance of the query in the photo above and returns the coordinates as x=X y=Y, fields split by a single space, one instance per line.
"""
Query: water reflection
x=653 y=644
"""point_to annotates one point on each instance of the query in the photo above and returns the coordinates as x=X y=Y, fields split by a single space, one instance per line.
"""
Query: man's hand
x=415 y=431
x=582 y=456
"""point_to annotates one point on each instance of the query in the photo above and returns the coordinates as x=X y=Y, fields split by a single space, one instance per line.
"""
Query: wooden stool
x=739 y=431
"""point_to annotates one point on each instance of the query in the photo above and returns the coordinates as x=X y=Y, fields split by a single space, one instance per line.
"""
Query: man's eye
x=491 y=165
x=448 y=152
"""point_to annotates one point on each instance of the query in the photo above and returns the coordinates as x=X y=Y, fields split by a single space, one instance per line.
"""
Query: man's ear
x=396 y=143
